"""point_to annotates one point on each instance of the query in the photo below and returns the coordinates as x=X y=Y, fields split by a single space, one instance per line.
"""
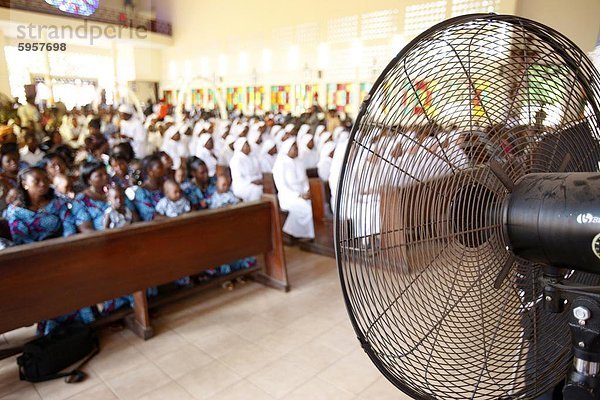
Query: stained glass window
x=78 y=7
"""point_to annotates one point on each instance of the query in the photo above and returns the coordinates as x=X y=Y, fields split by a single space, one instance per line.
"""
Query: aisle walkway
x=252 y=343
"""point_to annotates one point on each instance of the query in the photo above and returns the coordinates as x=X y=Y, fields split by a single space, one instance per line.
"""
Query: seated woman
x=247 y=179
x=89 y=209
x=293 y=193
x=92 y=202
x=41 y=215
x=150 y=192
x=9 y=161
x=199 y=187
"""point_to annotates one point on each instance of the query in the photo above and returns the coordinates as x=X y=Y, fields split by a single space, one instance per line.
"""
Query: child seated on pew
x=117 y=215
x=63 y=187
x=223 y=196
x=174 y=203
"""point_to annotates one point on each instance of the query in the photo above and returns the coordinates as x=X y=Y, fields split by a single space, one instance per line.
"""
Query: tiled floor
x=251 y=343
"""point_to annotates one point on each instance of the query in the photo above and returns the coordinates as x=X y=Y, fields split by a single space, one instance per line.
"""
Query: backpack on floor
x=44 y=357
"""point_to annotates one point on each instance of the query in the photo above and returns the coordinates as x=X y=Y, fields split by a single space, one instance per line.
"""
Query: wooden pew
x=50 y=278
x=322 y=220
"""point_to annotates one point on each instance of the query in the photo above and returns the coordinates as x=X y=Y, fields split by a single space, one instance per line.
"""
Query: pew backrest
x=46 y=279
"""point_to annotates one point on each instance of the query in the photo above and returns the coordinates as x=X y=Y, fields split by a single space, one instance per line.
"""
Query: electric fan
x=468 y=214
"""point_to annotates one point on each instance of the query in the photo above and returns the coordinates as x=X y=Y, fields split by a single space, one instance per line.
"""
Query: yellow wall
x=579 y=20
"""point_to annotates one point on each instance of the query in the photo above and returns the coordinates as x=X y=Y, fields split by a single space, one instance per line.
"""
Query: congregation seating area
x=40 y=281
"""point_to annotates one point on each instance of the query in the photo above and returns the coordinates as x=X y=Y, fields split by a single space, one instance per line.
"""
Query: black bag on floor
x=44 y=357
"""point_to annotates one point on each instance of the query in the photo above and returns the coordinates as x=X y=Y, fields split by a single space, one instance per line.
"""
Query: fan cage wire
x=419 y=238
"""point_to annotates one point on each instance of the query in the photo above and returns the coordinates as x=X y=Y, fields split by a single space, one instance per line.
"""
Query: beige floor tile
x=98 y=392
x=313 y=356
x=311 y=325
x=116 y=358
x=254 y=327
x=198 y=328
x=221 y=343
x=9 y=377
x=26 y=393
x=247 y=359
x=341 y=338
x=57 y=389
x=163 y=342
x=170 y=391
x=353 y=373
x=208 y=380
x=283 y=341
x=138 y=381
x=318 y=389
x=179 y=362
x=242 y=390
x=382 y=389
x=280 y=378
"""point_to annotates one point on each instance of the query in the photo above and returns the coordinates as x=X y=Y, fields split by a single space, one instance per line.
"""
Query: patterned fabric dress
x=52 y=221
x=86 y=209
x=194 y=195
x=218 y=200
x=145 y=202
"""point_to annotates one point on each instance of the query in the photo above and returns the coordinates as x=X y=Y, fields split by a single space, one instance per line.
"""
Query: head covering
x=304 y=129
x=239 y=144
x=275 y=129
x=286 y=146
x=289 y=127
x=253 y=137
x=126 y=109
x=203 y=139
x=169 y=120
x=230 y=139
x=267 y=145
x=303 y=141
x=170 y=132
x=319 y=129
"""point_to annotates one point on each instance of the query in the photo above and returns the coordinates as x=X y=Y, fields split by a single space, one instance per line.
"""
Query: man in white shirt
x=133 y=129
x=31 y=153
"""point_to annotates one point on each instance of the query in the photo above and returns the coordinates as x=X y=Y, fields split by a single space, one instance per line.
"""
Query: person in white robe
x=171 y=145
x=226 y=152
x=336 y=164
x=293 y=193
x=268 y=156
x=204 y=148
x=246 y=177
x=307 y=151
x=132 y=128
x=325 y=160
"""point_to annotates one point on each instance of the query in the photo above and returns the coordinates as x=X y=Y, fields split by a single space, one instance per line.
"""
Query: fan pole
x=583 y=380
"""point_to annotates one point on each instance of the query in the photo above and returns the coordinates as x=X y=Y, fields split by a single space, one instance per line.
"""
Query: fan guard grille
x=418 y=224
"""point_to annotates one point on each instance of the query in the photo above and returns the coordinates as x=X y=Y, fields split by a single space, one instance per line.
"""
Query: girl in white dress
x=246 y=177
x=293 y=193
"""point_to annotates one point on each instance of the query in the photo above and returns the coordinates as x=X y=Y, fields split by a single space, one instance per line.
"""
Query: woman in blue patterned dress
x=149 y=194
x=88 y=212
x=40 y=215
x=195 y=167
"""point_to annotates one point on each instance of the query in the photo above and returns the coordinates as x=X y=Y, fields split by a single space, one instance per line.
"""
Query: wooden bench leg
x=139 y=321
x=275 y=273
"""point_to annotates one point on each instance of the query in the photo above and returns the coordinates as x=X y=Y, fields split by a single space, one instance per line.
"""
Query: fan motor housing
x=553 y=218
